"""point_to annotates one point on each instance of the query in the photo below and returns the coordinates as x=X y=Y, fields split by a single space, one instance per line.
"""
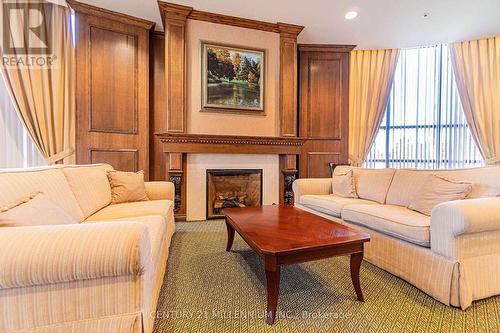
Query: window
x=17 y=149
x=424 y=125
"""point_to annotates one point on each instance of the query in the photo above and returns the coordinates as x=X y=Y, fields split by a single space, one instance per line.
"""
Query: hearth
x=232 y=188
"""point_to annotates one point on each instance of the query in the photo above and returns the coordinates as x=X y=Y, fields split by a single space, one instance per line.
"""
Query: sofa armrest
x=471 y=218
x=303 y=186
x=160 y=190
x=42 y=255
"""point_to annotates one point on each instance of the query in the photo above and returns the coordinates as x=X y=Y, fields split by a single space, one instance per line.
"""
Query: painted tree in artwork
x=219 y=65
x=236 y=60
x=223 y=55
x=212 y=66
x=255 y=71
x=226 y=65
x=242 y=74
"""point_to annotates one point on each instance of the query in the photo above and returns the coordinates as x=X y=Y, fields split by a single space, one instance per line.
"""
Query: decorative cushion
x=406 y=182
x=330 y=204
x=34 y=209
x=396 y=221
x=90 y=185
x=48 y=180
x=373 y=184
x=343 y=184
x=436 y=190
x=127 y=186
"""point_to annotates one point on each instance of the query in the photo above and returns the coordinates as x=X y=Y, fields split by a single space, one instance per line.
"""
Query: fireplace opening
x=232 y=188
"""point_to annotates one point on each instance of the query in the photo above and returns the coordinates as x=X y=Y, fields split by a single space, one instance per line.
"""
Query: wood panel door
x=112 y=107
x=323 y=107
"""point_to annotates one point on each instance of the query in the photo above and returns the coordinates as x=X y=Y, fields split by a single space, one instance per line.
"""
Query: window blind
x=424 y=125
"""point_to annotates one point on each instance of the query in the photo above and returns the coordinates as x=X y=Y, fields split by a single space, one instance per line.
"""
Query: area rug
x=207 y=289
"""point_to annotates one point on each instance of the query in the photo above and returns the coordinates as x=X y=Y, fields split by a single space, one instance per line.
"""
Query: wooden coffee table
x=285 y=235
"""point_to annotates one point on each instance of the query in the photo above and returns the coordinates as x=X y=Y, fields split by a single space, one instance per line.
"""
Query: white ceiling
x=380 y=23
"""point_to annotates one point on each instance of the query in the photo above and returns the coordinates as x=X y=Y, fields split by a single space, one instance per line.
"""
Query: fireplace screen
x=232 y=188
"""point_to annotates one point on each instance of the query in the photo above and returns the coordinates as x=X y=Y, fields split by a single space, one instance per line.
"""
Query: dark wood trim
x=234 y=21
x=157 y=34
x=220 y=144
x=325 y=48
x=173 y=11
x=174 y=19
x=178 y=12
x=289 y=30
x=109 y=14
x=288 y=110
x=229 y=139
x=204 y=144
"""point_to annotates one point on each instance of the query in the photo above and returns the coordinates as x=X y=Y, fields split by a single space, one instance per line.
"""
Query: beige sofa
x=103 y=274
x=452 y=255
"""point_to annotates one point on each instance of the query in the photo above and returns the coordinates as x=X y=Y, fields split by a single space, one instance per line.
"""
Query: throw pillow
x=127 y=186
x=343 y=184
x=436 y=190
x=373 y=184
x=34 y=209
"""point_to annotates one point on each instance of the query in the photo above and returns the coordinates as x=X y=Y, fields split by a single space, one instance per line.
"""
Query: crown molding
x=178 y=12
x=108 y=14
x=233 y=21
x=174 y=12
x=289 y=30
x=325 y=48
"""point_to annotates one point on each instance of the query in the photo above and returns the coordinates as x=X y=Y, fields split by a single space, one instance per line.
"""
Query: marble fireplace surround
x=188 y=156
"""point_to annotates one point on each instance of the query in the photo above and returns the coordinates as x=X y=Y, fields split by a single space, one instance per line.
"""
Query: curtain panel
x=42 y=90
x=371 y=73
x=476 y=65
x=424 y=125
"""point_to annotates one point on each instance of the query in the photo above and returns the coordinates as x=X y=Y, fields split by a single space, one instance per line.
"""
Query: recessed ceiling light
x=351 y=15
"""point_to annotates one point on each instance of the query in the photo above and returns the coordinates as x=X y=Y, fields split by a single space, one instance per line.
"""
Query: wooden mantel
x=229 y=144
x=176 y=146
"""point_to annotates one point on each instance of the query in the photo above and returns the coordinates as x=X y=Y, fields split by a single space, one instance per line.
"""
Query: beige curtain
x=43 y=93
x=476 y=65
x=371 y=74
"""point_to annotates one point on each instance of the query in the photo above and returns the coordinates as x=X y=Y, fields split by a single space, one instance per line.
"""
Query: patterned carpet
x=207 y=289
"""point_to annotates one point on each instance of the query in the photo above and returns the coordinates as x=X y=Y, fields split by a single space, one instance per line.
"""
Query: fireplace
x=232 y=188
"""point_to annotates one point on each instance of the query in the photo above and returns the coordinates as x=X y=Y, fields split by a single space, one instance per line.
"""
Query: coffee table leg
x=230 y=236
x=273 y=285
x=356 y=259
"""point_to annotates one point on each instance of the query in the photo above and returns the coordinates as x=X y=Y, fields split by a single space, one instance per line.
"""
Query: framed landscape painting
x=232 y=78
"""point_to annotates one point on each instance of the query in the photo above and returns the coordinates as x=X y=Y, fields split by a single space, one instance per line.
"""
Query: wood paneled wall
x=169 y=111
x=131 y=85
x=112 y=88
x=323 y=107
x=288 y=78
x=174 y=22
x=157 y=106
